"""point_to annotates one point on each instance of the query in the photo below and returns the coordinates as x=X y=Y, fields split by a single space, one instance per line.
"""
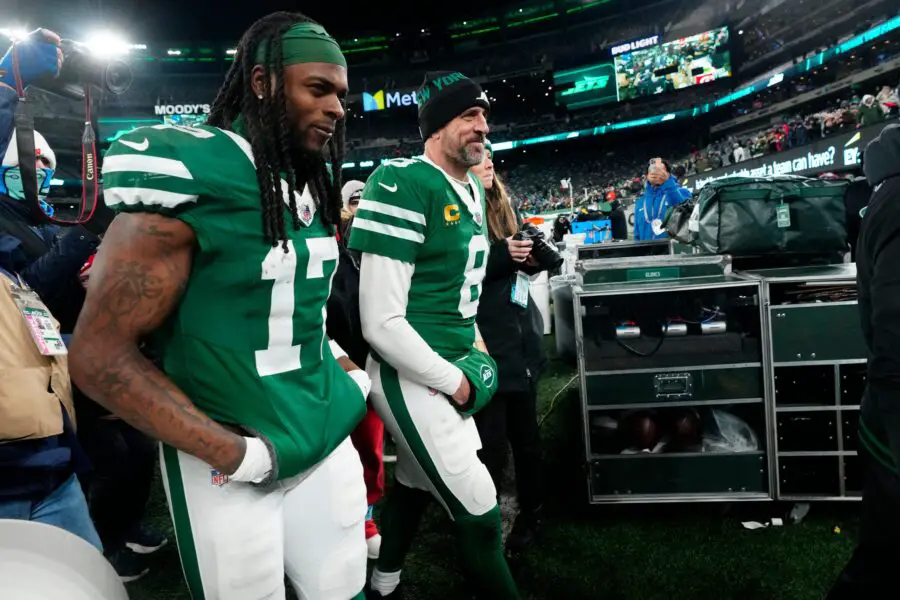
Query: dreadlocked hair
x=267 y=129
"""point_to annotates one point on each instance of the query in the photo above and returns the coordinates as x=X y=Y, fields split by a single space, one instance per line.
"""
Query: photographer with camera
x=39 y=454
x=37 y=253
x=512 y=327
x=47 y=257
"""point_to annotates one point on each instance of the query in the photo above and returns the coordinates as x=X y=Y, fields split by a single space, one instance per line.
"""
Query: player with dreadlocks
x=222 y=255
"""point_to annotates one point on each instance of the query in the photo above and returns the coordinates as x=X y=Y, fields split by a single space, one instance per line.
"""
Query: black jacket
x=877 y=257
x=513 y=335
x=52 y=268
x=343 y=324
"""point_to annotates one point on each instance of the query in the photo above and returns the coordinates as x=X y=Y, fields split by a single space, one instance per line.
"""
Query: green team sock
x=481 y=550
x=403 y=510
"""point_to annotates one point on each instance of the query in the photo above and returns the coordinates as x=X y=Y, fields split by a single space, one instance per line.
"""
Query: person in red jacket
x=344 y=327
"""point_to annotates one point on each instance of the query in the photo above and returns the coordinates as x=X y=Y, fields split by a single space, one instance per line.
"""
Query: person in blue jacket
x=662 y=192
x=47 y=257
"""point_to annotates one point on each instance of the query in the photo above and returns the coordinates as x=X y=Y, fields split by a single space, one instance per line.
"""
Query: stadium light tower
x=106 y=44
x=14 y=33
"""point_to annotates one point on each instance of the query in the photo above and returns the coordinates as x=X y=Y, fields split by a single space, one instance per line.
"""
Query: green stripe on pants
x=390 y=381
x=183 y=534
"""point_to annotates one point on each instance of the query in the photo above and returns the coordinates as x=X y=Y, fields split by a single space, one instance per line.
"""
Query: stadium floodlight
x=106 y=44
x=231 y=51
x=138 y=46
x=172 y=52
x=14 y=33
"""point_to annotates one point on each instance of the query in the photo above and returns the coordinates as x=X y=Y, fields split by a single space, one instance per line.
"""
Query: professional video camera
x=543 y=253
x=80 y=69
x=80 y=72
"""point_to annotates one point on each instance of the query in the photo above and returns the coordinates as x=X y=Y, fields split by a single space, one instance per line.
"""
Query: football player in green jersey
x=223 y=254
x=421 y=229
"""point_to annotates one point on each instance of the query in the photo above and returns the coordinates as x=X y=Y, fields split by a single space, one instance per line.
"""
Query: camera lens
x=118 y=77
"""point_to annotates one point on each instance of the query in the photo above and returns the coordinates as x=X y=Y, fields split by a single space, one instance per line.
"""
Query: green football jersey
x=246 y=342
x=412 y=211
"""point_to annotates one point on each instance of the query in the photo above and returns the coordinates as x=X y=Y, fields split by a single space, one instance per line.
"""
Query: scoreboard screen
x=675 y=65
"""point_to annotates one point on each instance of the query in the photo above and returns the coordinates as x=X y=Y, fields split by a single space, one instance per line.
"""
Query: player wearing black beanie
x=422 y=232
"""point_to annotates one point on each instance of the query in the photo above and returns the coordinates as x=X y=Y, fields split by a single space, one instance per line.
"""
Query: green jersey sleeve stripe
x=392 y=211
x=153 y=165
x=388 y=230
x=388 y=220
x=130 y=196
x=382 y=245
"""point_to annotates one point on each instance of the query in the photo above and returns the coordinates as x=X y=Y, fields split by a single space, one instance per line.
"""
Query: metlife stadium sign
x=835 y=153
x=382 y=100
x=633 y=45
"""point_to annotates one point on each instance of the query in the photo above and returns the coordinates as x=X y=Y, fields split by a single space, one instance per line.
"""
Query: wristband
x=362 y=380
x=336 y=349
x=257 y=463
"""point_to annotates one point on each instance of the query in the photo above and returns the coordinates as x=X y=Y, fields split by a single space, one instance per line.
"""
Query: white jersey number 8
x=476 y=266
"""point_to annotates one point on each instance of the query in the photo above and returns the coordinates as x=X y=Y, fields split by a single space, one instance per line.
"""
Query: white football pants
x=237 y=541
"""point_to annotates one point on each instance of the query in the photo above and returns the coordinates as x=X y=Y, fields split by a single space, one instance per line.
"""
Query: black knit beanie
x=445 y=95
x=882 y=156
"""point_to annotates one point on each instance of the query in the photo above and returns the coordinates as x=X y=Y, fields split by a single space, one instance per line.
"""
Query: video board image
x=185 y=120
x=675 y=65
x=587 y=86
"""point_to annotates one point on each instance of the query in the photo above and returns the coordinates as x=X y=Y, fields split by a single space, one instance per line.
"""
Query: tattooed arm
x=136 y=281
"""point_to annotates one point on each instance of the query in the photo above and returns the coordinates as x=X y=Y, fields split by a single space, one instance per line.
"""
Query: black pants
x=513 y=417
x=118 y=488
x=872 y=570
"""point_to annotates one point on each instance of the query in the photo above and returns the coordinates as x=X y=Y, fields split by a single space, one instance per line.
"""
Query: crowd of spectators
x=797 y=130
x=598 y=177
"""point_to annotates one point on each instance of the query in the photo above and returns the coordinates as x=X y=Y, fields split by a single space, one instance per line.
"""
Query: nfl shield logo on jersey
x=306 y=215
x=478 y=218
x=218 y=479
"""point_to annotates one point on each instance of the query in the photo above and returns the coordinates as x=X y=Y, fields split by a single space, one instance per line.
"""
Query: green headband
x=306 y=43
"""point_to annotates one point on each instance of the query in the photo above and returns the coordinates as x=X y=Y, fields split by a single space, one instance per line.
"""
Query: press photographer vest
x=32 y=386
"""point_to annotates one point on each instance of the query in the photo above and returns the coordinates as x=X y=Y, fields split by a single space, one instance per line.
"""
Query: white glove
x=362 y=380
x=257 y=463
x=357 y=375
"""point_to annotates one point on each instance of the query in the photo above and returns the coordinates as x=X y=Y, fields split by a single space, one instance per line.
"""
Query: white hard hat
x=41 y=149
x=42 y=561
x=351 y=187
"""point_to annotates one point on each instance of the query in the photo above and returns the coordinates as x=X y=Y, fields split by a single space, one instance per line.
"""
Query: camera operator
x=511 y=326
x=39 y=454
x=662 y=192
x=49 y=259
